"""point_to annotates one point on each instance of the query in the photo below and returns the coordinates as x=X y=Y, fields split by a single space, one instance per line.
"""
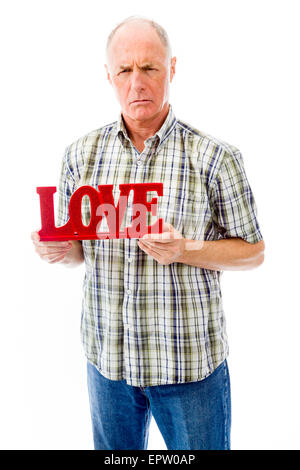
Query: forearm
x=232 y=254
x=74 y=256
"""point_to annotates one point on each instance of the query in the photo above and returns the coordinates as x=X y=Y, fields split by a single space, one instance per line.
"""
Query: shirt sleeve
x=234 y=209
x=66 y=187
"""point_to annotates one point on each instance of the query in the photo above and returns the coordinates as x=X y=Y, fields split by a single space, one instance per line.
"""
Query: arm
x=234 y=214
x=234 y=217
x=231 y=254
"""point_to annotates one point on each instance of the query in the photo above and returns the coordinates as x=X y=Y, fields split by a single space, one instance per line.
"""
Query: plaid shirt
x=141 y=321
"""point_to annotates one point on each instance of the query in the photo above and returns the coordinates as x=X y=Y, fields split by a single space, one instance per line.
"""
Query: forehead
x=136 y=42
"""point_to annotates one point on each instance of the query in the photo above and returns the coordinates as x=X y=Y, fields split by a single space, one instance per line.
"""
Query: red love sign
x=102 y=204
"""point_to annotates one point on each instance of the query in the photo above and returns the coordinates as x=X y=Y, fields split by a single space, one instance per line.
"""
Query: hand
x=164 y=247
x=52 y=252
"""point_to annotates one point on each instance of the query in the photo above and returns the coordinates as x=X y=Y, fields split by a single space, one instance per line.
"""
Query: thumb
x=173 y=233
x=168 y=227
x=35 y=236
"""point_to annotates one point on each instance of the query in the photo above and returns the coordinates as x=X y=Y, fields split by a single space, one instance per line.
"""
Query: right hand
x=52 y=252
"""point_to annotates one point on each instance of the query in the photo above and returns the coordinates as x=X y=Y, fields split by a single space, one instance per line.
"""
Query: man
x=153 y=325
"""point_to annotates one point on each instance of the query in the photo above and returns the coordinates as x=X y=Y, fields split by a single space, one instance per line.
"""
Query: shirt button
x=129 y=260
x=128 y=291
x=138 y=162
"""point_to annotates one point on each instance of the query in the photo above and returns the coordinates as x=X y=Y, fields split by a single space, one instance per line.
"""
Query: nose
x=138 y=80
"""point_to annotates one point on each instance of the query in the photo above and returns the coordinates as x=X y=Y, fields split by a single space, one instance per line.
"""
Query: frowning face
x=140 y=71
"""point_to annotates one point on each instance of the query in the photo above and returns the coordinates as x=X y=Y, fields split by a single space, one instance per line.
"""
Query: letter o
x=75 y=210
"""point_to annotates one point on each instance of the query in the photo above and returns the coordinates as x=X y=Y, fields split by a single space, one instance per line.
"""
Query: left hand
x=164 y=247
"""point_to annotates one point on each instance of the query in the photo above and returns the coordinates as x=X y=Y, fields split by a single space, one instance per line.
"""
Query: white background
x=238 y=79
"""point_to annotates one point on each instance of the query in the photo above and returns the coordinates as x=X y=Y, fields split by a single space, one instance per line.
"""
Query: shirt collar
x=165 y=130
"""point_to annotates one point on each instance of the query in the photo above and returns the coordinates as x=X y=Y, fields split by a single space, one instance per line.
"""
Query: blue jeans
x=190 y=416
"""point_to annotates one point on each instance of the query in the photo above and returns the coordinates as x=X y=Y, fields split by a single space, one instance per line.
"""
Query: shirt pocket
x=185 y=210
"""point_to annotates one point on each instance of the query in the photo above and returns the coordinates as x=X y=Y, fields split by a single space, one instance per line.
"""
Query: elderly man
x=152 y=325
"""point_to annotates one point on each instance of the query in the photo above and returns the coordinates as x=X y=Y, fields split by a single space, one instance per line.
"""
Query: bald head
x=142 y=25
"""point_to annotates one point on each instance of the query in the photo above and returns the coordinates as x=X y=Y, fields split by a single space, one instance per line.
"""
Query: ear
x=172 y=68
x=108 y=74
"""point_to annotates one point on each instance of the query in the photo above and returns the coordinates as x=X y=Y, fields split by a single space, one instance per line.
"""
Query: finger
x=150 y=249
x=57 y=259
x=64 y=244
x=168 y=235
x=46 y=250
x=166 y=228
x=151 y=253
x=143 y=247
x=165 y=237
x=158 y=241
x=35 y=236
x=36 y=240
x=156 y=245
x=53 y=258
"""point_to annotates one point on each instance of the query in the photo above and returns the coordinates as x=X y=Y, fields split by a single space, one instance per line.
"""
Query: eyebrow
x=147 y=64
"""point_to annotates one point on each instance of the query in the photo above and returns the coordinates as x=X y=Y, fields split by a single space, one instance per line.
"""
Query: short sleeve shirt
x=148 y=323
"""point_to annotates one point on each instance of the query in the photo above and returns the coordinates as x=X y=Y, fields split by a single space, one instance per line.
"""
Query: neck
x=139 y=131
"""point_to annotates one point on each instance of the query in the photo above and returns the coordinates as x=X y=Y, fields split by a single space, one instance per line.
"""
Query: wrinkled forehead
x=140 y=44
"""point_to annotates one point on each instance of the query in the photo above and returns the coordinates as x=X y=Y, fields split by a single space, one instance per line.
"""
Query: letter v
x=107 y=205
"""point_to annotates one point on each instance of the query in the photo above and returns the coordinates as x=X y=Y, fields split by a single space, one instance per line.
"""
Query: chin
x=143 y=112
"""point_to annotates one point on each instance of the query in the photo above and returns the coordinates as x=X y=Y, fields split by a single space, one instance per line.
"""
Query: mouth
x=140 y=101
